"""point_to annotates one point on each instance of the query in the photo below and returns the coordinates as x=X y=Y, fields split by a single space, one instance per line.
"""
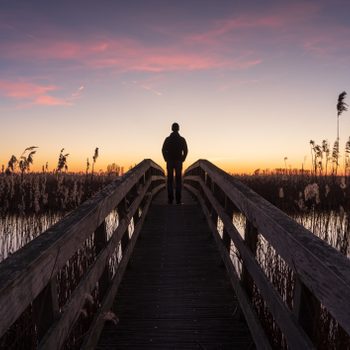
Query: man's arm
x=165 y=149
x=184 y=150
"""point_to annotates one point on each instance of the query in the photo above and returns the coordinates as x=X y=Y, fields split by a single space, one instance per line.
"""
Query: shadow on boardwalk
x=175 y=293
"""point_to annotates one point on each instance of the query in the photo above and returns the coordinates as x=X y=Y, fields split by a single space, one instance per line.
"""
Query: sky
x=250 y=82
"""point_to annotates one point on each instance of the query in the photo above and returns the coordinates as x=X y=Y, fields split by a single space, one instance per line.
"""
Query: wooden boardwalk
x=175 y=293
x=174 y=290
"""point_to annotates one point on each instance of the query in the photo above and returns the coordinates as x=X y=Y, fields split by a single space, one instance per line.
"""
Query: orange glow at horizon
x=78 y=164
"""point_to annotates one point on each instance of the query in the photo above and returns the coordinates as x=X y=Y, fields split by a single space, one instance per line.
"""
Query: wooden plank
x=317 y=264
x=294 y=334
x=45 y=308
x=26 y=273
x=258 y=334
x=251 y=240
x=226 y=240
x=100 y=242
x=307 y=309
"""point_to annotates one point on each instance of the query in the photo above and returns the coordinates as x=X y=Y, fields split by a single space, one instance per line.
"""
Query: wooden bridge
x=225 y=270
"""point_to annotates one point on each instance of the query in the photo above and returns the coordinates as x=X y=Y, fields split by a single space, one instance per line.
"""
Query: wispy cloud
x=78 y=93
x=123 y=54
x=24 y=90
x=170 y=59
x=29 y=94
x=279 y=18
x=144 y=85
x=46 y=100
x=328 y=44
x=151 y=89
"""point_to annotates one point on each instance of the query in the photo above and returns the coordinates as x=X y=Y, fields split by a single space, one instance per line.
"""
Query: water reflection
x=112 y=222
x=332 y=227
x=131 y=227
x=18 y=230
x=239 y=221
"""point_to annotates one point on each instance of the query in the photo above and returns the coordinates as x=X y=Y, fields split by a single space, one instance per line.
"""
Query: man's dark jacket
x=174 y=148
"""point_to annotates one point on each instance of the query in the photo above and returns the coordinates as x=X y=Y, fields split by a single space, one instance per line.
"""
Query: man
x=174 y=152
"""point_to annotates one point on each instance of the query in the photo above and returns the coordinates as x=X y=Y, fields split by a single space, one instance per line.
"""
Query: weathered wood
x=123 y=213
x=257 y=332
x=295 y=335
x=45 y=308
x=306 y=309
x=92 y=337
x=100 y=241
x=60 y=330
x=317 y=264
x=251 y=240
x=26 y=273
x=226 y=239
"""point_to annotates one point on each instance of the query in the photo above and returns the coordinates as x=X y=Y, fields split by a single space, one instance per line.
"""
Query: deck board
x=175 y=293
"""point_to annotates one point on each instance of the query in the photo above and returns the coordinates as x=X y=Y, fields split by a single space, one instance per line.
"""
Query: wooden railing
x=32 y=281
x=320 y=274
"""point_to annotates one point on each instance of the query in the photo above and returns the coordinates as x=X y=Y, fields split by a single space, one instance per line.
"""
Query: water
x=332 y=227
x=18 y=230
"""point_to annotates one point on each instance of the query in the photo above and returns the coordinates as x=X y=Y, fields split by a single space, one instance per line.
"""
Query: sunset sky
x=250 y=82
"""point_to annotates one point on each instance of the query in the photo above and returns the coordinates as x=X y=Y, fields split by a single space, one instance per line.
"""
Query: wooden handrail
x=29 y=273
x=319 y=268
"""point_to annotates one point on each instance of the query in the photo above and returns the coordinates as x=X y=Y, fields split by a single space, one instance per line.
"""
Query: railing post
x=45 y=308
x=226 y=239
x=251 y=240
x=306 y=308
x=148 y=174
x=213 y=213
x=207 y=180
x=100 y=240
x=123 y=214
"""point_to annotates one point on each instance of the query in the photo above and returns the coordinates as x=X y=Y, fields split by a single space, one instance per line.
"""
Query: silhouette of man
x=174 y=152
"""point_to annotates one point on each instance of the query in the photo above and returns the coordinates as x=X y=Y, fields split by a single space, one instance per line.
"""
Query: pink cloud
x=281 y=18
x=24 y=90
x=46 y=100
x=35 y=94
x=295 y=26
x=174 y=61
x=124 y=54
x=43 y=50
x=328 y=43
